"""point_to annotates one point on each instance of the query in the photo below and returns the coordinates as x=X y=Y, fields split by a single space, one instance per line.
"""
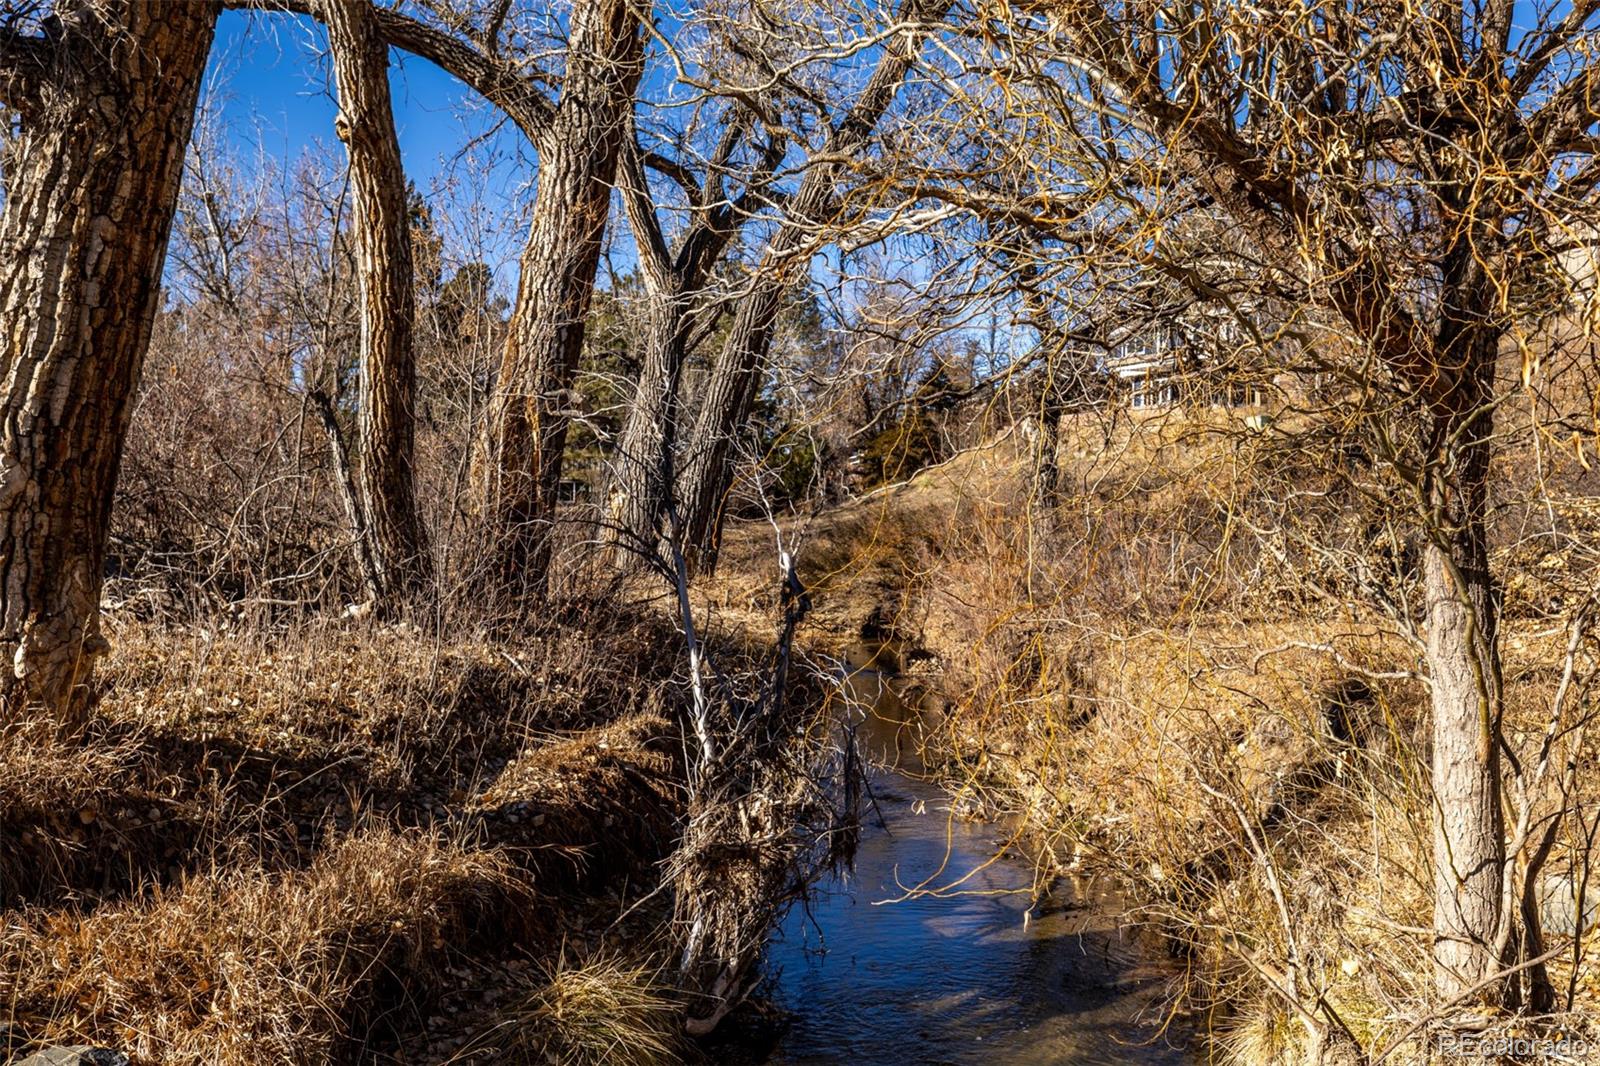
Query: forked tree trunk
x=91 y=185
x=518 y=469
x=725 y=406
x=397 y=544
x=674 y=284
x=735 y=378
x=645 y=452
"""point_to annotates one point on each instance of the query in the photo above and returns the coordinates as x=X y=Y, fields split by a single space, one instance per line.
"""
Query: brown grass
x=248 y=966
x=282 y=847
x=603 y=1011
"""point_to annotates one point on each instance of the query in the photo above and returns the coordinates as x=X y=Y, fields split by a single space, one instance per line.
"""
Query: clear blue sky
x=269 y=82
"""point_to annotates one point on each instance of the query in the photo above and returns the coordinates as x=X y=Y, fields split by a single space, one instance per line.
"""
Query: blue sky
x=269 y=83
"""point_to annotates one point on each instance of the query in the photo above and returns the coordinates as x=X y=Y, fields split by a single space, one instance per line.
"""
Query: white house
x=1162 y=367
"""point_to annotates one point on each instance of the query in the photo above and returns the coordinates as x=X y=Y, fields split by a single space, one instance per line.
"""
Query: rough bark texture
x=91 y=186
x=1463 y=611
x=735 y=378
x=725 y=407
x=1044 y=491
x=344 y=482
x=675 y=286
x=396 y=541
x=518 y=468
x=645 y=454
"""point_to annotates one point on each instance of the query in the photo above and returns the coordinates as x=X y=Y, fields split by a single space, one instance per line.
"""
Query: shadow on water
x=955 y=975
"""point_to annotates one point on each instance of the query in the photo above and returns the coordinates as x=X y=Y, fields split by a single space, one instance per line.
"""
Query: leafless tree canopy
x=1211 y=377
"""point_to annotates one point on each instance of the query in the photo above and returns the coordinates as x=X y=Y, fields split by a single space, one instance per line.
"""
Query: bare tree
x=518 y=471
x=105 y=94
x=397 y=544
x=680 y=308
x=736 y=376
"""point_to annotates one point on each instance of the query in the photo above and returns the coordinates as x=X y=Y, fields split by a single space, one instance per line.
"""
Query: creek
x=969 y=969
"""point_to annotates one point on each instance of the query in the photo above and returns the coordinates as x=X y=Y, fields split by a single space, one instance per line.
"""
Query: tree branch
x=24 y=59
x=493 y=79
x=655 y=259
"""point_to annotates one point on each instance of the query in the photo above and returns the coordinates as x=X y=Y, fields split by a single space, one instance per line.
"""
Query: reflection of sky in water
x=959 y=979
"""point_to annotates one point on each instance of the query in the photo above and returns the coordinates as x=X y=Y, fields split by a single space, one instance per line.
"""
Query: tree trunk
x=91 y=185
x=725 y=406
x=1044 y=491
x=1463 y=611
x=736 y=376
x=344 y=482
x=397 y=543
x=645 y=454
x=518 y=470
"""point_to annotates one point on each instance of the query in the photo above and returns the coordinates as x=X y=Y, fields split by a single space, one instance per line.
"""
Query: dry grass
x=604 y=1011
x=248 y=966
x=282 y=847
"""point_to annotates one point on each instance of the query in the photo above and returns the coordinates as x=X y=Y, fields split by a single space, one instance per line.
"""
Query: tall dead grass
x=251 y=966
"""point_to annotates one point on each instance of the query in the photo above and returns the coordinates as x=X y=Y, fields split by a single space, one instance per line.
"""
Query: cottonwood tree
x=395 y=548
x=681 y=308
x=519 y=468
x=1413 y=175
x=103 y=95
x=511 y=53
x=809 y=218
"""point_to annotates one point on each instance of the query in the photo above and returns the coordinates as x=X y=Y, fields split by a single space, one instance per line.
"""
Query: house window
x=1149 y=394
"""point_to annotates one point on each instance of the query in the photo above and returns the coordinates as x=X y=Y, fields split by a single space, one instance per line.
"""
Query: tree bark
x=735 y=378
x=675 y=285
x=344 y=482
x=725 y=406
x=1463 y=611
x=644 y=458
x=396 y=540
x=518 y=468
x=91 y=186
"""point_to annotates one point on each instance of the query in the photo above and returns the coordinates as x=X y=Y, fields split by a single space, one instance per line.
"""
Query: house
x=1170 y=365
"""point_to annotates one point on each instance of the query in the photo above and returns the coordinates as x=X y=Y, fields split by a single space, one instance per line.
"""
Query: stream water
x=965 y=971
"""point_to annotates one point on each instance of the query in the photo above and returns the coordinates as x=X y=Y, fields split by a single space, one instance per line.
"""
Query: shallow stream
x=964 y=971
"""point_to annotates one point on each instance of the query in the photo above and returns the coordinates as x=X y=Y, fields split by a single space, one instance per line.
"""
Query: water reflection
x=955 y=977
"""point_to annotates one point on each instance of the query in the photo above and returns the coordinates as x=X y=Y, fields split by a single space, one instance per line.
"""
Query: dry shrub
x=604 y=1011
x=249 y=967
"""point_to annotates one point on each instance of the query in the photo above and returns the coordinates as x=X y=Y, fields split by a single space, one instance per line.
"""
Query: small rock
x=77 y=1055
x=1558 y=905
